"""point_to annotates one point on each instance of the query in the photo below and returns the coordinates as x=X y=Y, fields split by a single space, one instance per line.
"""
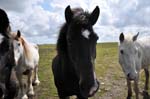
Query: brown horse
x=26 y=58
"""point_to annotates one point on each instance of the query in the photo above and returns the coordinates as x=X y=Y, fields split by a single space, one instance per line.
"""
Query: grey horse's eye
x=18 y=44
x=121 y=51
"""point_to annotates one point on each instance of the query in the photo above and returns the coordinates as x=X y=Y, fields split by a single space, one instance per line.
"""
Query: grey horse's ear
x=135 y=37
x=121 y=37
x=18 y=33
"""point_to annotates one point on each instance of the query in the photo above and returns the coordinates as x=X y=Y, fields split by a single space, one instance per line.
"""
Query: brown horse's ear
x=18 y=33
x=68 y=14
x=94 y=15
x=121 y=37
x=135 y=37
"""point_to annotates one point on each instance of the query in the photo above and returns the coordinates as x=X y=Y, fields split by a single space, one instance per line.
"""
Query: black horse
x=8 y=86
x=73 y=67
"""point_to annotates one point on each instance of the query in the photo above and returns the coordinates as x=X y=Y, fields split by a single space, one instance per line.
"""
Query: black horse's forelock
x=82 y=18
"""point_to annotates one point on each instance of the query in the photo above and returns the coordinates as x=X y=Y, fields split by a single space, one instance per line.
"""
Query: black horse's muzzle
x=94 y=88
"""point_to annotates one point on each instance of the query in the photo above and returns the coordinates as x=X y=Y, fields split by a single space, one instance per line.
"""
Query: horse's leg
x=13 y=90
x=21 y=85
x=10 y=85
x=1 y=93
x=36 y=79
x=14 y=86
x=80 y=97
x=129 y=89
x=136 y=89
x=2 y=90
x=147 y=80
x=30 y=87
x=65 y=98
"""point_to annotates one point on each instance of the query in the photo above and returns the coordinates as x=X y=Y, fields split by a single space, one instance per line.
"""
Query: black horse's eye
x=94 y=36
x=121 y=51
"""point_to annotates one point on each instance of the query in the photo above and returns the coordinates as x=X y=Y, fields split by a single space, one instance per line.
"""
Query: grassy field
x=109 y=73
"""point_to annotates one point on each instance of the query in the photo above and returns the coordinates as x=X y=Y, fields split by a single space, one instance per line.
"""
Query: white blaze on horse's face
x=129 y=57
x=18 y=50
x=85 y=34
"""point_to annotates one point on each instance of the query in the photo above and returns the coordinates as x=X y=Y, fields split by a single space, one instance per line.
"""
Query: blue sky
x=40 y=20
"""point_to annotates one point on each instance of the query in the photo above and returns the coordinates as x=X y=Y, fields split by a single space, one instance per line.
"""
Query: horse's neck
x=62 y=49
x=62 y=42
x=27 y=49
x=67 y=67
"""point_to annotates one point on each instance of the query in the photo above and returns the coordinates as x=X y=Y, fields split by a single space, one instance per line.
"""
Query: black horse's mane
x=4 y=23
x=62 y=41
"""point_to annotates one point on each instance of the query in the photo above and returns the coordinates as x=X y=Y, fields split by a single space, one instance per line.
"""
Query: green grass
x=47 y=90
x=106 y=60
x=106 y=54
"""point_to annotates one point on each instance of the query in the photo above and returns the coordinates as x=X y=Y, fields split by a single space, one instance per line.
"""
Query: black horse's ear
x=121 y=38
x=68 y=14
x=18 y=33
x=135 y=37
x=94 y=15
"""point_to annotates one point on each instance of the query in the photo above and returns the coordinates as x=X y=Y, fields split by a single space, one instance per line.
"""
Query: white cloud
x=42 y=19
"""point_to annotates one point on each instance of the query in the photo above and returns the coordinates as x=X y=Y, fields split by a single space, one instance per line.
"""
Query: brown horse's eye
x=18 y=44
x=121 y=51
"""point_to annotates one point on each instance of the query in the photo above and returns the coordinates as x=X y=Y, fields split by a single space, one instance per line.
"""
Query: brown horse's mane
x=26 y=47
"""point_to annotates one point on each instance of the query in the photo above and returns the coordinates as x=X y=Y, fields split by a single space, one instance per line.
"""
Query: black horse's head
x=6 y=47
x=81 y=46
x=4 y=23
x=7 y=60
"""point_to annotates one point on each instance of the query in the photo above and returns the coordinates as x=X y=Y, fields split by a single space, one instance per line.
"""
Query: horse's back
x=35 y=46
x=144 y=40
x=35 y=52
x=144 y=44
